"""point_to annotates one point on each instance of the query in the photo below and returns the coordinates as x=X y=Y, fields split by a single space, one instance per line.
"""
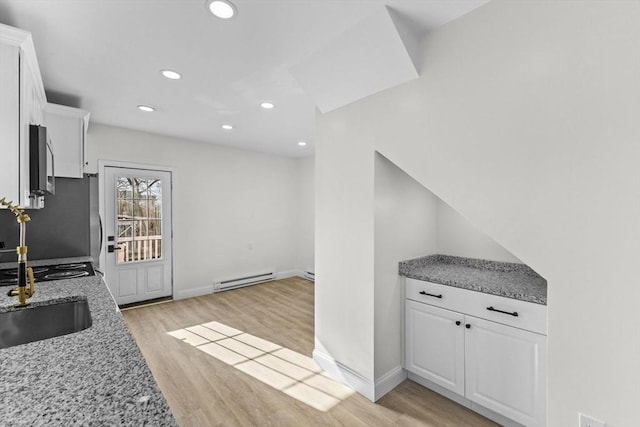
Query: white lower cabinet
x=497 y=366
x=435 y=345
x=505 y=370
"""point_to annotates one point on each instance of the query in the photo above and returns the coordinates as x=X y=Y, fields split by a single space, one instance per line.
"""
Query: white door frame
x=102 y=164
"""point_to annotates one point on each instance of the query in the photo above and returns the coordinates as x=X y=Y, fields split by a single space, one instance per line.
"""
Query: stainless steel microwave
x=41 y=162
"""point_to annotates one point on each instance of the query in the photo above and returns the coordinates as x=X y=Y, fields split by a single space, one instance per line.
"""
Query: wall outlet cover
x=587 y=421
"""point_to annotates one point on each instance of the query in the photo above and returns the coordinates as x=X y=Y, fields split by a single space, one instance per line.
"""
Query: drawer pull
x=514 y=314
x=430 y=295
x=458 y=323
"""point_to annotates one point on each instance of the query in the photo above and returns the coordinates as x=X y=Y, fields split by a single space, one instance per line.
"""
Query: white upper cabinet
x=22 y=99
x=67 y=128
x=9 y=122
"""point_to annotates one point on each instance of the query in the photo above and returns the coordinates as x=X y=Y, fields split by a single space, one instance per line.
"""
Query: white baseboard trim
x=190 y=293
x=345 y=375
x=288 y=273
x=205 y=290
x=488 y=413
x=370 y=390
x=389 y=381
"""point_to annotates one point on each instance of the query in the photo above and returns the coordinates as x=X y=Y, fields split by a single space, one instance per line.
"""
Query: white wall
x=305 y=213
x=410 y=221
x=405 y=228
x=526 y=122
x=458 y=237
x=235 y=211
x=344 y=244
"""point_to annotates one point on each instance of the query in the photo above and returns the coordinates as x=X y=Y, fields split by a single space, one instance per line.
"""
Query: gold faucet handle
x=27 y=292
x=18 y=211
x=32 y=287
x=23 y=217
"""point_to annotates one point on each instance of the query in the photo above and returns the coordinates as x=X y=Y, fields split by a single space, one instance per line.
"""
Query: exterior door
x=138 y=229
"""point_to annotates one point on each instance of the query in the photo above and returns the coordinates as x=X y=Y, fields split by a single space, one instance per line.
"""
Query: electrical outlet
x=587 y=421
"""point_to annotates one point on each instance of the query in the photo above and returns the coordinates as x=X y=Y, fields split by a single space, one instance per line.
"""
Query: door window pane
x=139 y=213
x=125 y=229
x=123 y=188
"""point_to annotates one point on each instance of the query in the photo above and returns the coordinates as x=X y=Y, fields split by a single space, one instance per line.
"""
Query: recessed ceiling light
x=226 y=127
x=170 y=74
x=146 y=108
x=267 y=105
x=223 y=9
x=302 y=143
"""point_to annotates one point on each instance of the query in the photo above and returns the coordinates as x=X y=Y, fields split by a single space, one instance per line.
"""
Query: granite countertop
x=504 y=279
x=93 y=377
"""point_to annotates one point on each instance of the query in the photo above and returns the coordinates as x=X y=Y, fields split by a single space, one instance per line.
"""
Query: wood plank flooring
x=203 y=391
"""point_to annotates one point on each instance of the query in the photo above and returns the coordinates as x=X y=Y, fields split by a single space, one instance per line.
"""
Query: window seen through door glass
x=139 y=213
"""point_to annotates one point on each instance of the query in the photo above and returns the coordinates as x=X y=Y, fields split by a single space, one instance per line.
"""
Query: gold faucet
x=24 y=273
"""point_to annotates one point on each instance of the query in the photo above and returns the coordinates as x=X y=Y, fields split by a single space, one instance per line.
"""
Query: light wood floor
x=203 y=391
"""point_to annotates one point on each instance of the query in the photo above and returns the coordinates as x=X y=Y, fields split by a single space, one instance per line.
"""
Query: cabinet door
x=435 y=345
x=66 y=128
x=505 y=370
x=22 y=97
x=9 y=123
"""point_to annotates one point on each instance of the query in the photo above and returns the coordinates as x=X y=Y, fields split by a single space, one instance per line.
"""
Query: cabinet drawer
x=508 y=311
x=530 y=316
x=434 y=294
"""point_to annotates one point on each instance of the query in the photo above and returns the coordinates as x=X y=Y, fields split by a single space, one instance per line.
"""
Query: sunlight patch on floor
x=281 y=368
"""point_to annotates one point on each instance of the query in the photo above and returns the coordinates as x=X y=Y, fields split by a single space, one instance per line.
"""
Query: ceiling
x=105 y=56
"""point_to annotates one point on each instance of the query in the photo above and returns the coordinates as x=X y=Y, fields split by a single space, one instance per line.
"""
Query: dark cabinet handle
x=514 y=314
x=468 y=326
x=458 y=323
x=430 y=295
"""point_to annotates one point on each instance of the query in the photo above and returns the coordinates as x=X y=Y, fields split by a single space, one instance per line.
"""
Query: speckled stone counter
x=95 y=377
x=505 y=279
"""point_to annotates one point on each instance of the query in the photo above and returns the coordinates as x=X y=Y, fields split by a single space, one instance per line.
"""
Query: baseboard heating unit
x=310 y=276
x=254 y=279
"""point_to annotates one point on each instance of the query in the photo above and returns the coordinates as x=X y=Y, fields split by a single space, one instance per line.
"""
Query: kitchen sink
x=37 y=323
